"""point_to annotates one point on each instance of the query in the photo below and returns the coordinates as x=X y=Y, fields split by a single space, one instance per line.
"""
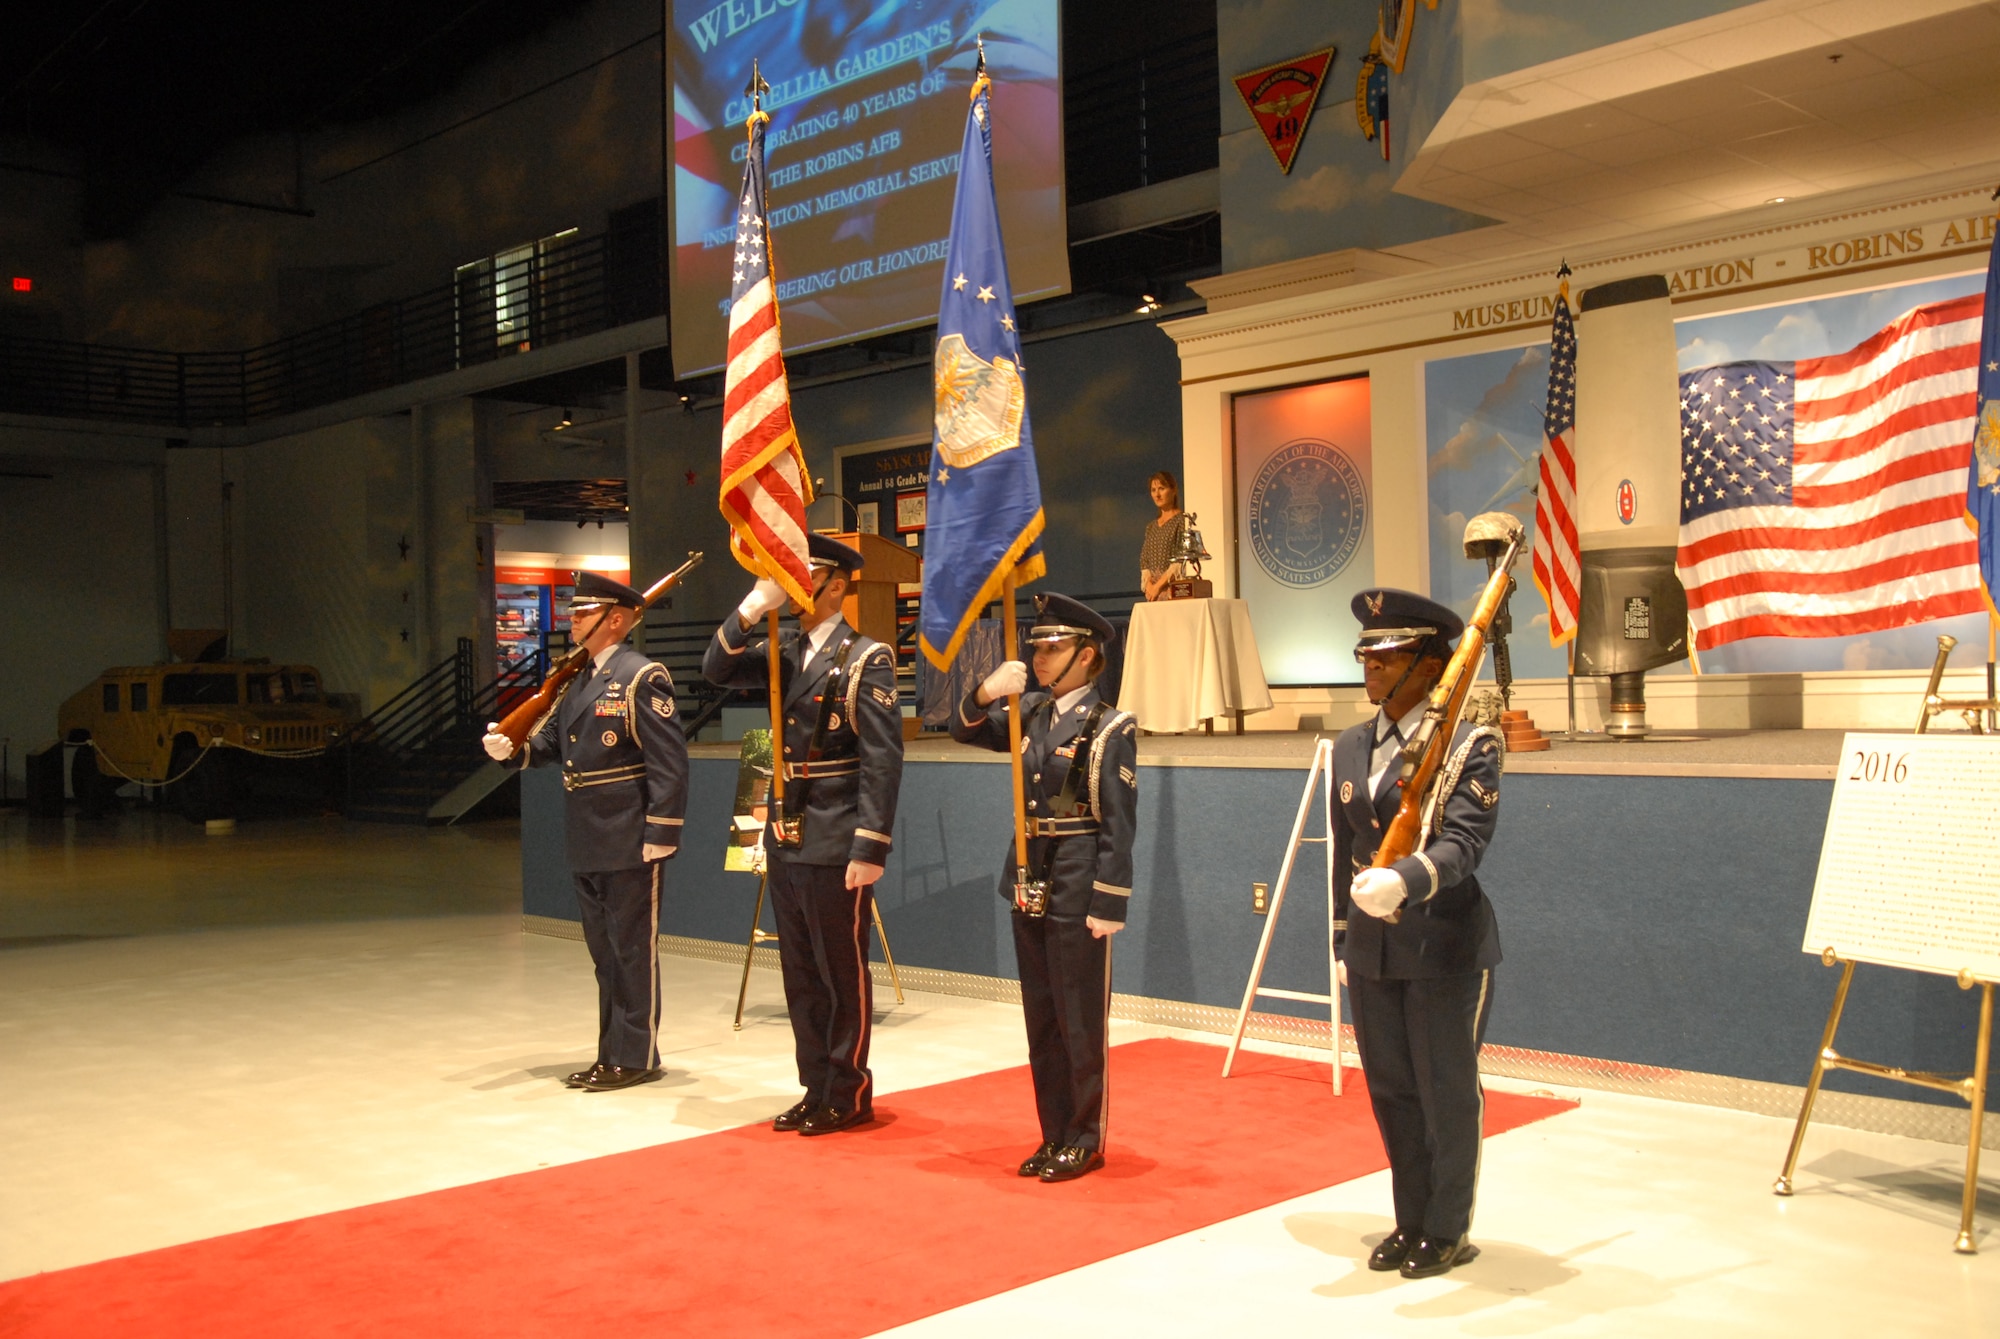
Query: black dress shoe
x=1395 y=1248
x=792 y=1117
x=828 y=1119
x=1039 y=1159
x=1066 y=1164
x=1432 y=1256
x=610 y=1078
x=583 y=1076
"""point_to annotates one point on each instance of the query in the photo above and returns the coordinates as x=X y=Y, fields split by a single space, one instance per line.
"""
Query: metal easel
x=1322 y=765
x=759 y=935
x=1970 y=1088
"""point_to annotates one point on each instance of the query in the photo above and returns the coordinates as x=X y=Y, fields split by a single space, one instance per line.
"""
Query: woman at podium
x=1156 y=553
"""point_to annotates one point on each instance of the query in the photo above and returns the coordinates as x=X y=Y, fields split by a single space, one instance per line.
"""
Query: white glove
x=1379 y=891
x=498 y=747
x=1008 y=680
x=764 y=597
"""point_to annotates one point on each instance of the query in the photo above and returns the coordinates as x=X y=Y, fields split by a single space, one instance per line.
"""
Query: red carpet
x=747 y=1232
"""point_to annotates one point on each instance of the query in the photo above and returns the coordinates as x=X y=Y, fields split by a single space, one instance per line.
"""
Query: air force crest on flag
x=1986 y=446
x=979 y=404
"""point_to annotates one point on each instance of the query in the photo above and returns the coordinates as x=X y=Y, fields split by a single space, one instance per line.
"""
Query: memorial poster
x=1304 y=480
x=1907 y=875
x=879 y=479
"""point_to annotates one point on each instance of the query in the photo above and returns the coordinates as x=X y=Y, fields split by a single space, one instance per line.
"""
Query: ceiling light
x=1777 y=199
x=565 y=422
x=1147 y=304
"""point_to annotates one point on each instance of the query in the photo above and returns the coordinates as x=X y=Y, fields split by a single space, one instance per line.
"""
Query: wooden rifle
x=1423 y=757
x=525 y=719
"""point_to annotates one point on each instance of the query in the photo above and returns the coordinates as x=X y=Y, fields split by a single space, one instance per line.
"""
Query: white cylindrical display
x=1628 y=453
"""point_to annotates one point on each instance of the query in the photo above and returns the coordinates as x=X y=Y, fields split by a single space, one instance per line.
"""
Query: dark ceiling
x=141 y=92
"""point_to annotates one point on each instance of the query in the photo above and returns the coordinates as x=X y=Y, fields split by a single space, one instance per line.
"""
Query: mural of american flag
x=1824 y=497
x=1555 y=562
x=765 y=486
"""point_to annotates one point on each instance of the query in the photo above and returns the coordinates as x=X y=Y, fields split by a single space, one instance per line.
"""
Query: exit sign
x=23 y=284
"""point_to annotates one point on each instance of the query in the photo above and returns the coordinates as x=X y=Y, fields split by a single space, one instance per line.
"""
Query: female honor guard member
x=625 y=772
x=1422 y=987
x=843 y=761
x=1079 y=761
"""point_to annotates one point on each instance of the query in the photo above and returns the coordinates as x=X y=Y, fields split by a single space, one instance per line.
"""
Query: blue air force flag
x=1982 y=487
x=983 y=514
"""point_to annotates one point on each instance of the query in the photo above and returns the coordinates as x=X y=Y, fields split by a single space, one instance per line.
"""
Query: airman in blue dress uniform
x=1080 y=767
x=617 y=736
x=1421 y=987
x=843 y=761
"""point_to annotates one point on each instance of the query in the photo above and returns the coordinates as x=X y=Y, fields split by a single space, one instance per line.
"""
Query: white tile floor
x=204 y=1035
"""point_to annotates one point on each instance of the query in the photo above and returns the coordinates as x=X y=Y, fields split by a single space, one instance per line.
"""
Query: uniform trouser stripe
x=653 y=965
x=620 y=910
x=1420 y=1044
x=823 y=956
x=1065 y=1004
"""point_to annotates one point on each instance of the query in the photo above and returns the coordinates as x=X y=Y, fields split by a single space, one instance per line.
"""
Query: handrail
x=562 y=290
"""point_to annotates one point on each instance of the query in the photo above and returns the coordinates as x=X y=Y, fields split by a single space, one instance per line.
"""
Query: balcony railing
x=572 y=286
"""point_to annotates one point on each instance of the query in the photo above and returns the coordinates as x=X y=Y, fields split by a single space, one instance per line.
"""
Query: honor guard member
x=843 y=761
x=624 y=773
x=1421 y=987
x=1079 y=763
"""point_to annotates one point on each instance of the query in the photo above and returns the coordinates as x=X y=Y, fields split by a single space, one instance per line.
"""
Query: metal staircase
x=423 y=743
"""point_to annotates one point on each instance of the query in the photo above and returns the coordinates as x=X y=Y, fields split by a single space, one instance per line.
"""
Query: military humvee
x=203 y=728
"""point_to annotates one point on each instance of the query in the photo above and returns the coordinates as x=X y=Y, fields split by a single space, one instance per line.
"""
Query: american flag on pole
x=1827 y=496
x=765 y=486
x=1555 y=561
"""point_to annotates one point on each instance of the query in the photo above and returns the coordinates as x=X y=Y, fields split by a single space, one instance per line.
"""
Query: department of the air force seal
x=1308 y=507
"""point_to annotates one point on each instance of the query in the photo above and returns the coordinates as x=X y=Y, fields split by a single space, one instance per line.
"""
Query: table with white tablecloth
x=1191 y=661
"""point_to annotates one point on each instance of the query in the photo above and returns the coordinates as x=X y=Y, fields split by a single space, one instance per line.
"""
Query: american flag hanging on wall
x=1826 y=497
x=765 y=486
x=1555 y=559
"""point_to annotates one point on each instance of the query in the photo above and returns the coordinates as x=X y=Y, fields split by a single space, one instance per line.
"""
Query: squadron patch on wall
x=1487 y=797
x=1346 y=791
x=610 y=738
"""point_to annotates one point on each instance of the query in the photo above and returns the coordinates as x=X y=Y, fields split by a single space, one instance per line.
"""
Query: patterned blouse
x=1157 y=552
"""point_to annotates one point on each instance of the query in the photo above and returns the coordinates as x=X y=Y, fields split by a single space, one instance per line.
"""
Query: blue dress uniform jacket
x=617 y=734
x=850 y=815
x=1091 y=872
x=1447 y=925
x=1065 y=970
x=851 y=810
x=1422 y=989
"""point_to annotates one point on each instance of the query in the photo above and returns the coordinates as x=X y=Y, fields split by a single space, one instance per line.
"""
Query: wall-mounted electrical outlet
x=1260 y=898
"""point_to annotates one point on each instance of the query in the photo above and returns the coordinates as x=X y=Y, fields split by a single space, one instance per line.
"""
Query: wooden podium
x=870 y=608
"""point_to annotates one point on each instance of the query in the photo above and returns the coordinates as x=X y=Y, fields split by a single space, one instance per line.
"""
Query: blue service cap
x=826 y=551
x=1058 y=616
x=594 y=588
x=1402 y=620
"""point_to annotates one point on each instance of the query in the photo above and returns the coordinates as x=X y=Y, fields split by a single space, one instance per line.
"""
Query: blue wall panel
x=1649 y=920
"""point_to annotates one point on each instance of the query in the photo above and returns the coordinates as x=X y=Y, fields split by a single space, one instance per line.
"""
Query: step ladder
x=1322 y=766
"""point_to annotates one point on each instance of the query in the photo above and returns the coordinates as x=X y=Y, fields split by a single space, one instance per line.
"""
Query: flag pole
x=777 y=722
x=1010 y=635
x=1570 y=670
x=1992 y=623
